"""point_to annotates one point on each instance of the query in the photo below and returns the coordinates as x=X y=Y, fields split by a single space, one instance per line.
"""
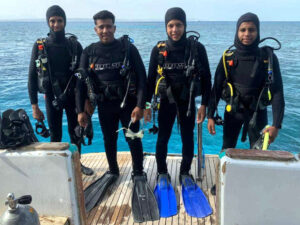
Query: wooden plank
x=103 y=208
x=118 y=205
x=122 y=202
x=53 y=146
x=174 y=179
x=79 y=187
x=108 y=206
x=260 y=155
x=51 y=220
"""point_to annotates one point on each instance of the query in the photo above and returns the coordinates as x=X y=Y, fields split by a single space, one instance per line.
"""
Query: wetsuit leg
x=54 y=118
x=135 y=145
x=166 y=118
x=187 y=125
x=72 y=121
x=231 y=129
x=261 y=122
x=109 y=121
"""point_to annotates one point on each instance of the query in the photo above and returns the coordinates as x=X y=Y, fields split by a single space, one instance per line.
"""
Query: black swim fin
x=143 y=202
x=94 y=193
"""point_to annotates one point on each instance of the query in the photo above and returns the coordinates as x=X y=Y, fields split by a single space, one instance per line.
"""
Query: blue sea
x=17 y=38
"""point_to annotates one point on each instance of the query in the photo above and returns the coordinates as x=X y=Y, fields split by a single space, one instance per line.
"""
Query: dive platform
x=115 y=207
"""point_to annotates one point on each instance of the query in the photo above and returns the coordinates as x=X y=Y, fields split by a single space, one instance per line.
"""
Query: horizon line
x=134 y=20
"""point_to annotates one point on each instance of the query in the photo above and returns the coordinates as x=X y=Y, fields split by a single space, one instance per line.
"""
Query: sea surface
x=17 y=39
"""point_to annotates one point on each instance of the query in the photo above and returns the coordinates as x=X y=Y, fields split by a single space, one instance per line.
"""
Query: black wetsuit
x=60 y=59
x=174 y=68
x=107 y=59
x=241 y=77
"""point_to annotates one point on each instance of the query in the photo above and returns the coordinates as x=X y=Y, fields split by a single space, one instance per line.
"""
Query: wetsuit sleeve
x=206 y=75
x=139 y=69
x=32 y=76
x=278 y=103
x=152 y=73
x=81 y=89
x=216 y=90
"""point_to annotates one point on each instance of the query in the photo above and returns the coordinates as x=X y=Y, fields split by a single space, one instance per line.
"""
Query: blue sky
x=146 y=10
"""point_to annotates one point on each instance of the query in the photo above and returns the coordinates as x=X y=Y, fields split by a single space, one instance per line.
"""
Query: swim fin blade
x=165 y=196
x=143 y=202
x=195 y=202
x=95 y=192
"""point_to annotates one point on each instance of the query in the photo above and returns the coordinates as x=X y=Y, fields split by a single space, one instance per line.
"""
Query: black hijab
x=176 y=13
x=56 y=10
x=248 y=17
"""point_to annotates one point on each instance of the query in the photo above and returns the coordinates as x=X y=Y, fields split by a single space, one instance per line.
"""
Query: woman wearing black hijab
x=247 y=73
x=168 y=74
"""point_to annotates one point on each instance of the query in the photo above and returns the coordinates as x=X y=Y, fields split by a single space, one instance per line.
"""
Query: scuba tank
x=19 y=212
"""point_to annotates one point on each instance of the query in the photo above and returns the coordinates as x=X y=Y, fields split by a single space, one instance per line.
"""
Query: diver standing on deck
x=51 y=72
x=248 y=79
x=178 y=72
x=113 y=77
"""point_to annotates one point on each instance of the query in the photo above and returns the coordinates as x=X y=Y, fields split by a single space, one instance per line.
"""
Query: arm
x=278 y=103
x=215 y=97
x=81 y=92
x=206 y=75
x=32 y=76
x=206 y=83
x=33 y=85
x=152 y=73
x=140 y=72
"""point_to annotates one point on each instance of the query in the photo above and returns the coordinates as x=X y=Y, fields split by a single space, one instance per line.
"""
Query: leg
x=135 y=145
x=54 y=118
x=109 y=120
x=166 y=118
x=187 y=125
x=72 y=122
x=231 y=129
x=261 y=122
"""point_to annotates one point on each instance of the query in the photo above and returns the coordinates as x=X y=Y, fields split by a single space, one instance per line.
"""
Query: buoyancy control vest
x=238 y=96
x=184 y=87
x=257 y=98
x=15 y=129
x=46 y=81
x=116 y=89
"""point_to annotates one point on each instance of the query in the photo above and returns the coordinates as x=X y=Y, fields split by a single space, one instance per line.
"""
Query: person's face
x=105 y=29
x=175 y=29
x=56 y=23
x=247 y=33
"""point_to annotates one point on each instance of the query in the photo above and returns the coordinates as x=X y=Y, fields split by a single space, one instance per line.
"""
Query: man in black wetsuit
x=169 y=80
x=116 y=84
x=241 y=77
x=53 y=62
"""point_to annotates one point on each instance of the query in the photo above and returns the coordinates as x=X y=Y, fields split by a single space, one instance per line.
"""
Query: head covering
x=248 y=17
x=55 y=10
x=176 y=13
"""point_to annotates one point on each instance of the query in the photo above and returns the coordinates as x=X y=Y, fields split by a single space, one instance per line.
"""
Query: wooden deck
x=115 y=208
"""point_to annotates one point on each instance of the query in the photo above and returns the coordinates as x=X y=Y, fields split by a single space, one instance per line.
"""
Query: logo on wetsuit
x=174 y=66
x=108 y=66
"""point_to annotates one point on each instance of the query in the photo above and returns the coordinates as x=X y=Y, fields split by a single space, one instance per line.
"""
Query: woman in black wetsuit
x=247 y=82
x=172 y=56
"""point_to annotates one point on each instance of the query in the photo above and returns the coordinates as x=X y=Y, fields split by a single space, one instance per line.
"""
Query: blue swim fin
x=165 y=196
x=195 y=202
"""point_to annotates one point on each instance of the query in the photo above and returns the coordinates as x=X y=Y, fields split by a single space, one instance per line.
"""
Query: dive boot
x=86 y=171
